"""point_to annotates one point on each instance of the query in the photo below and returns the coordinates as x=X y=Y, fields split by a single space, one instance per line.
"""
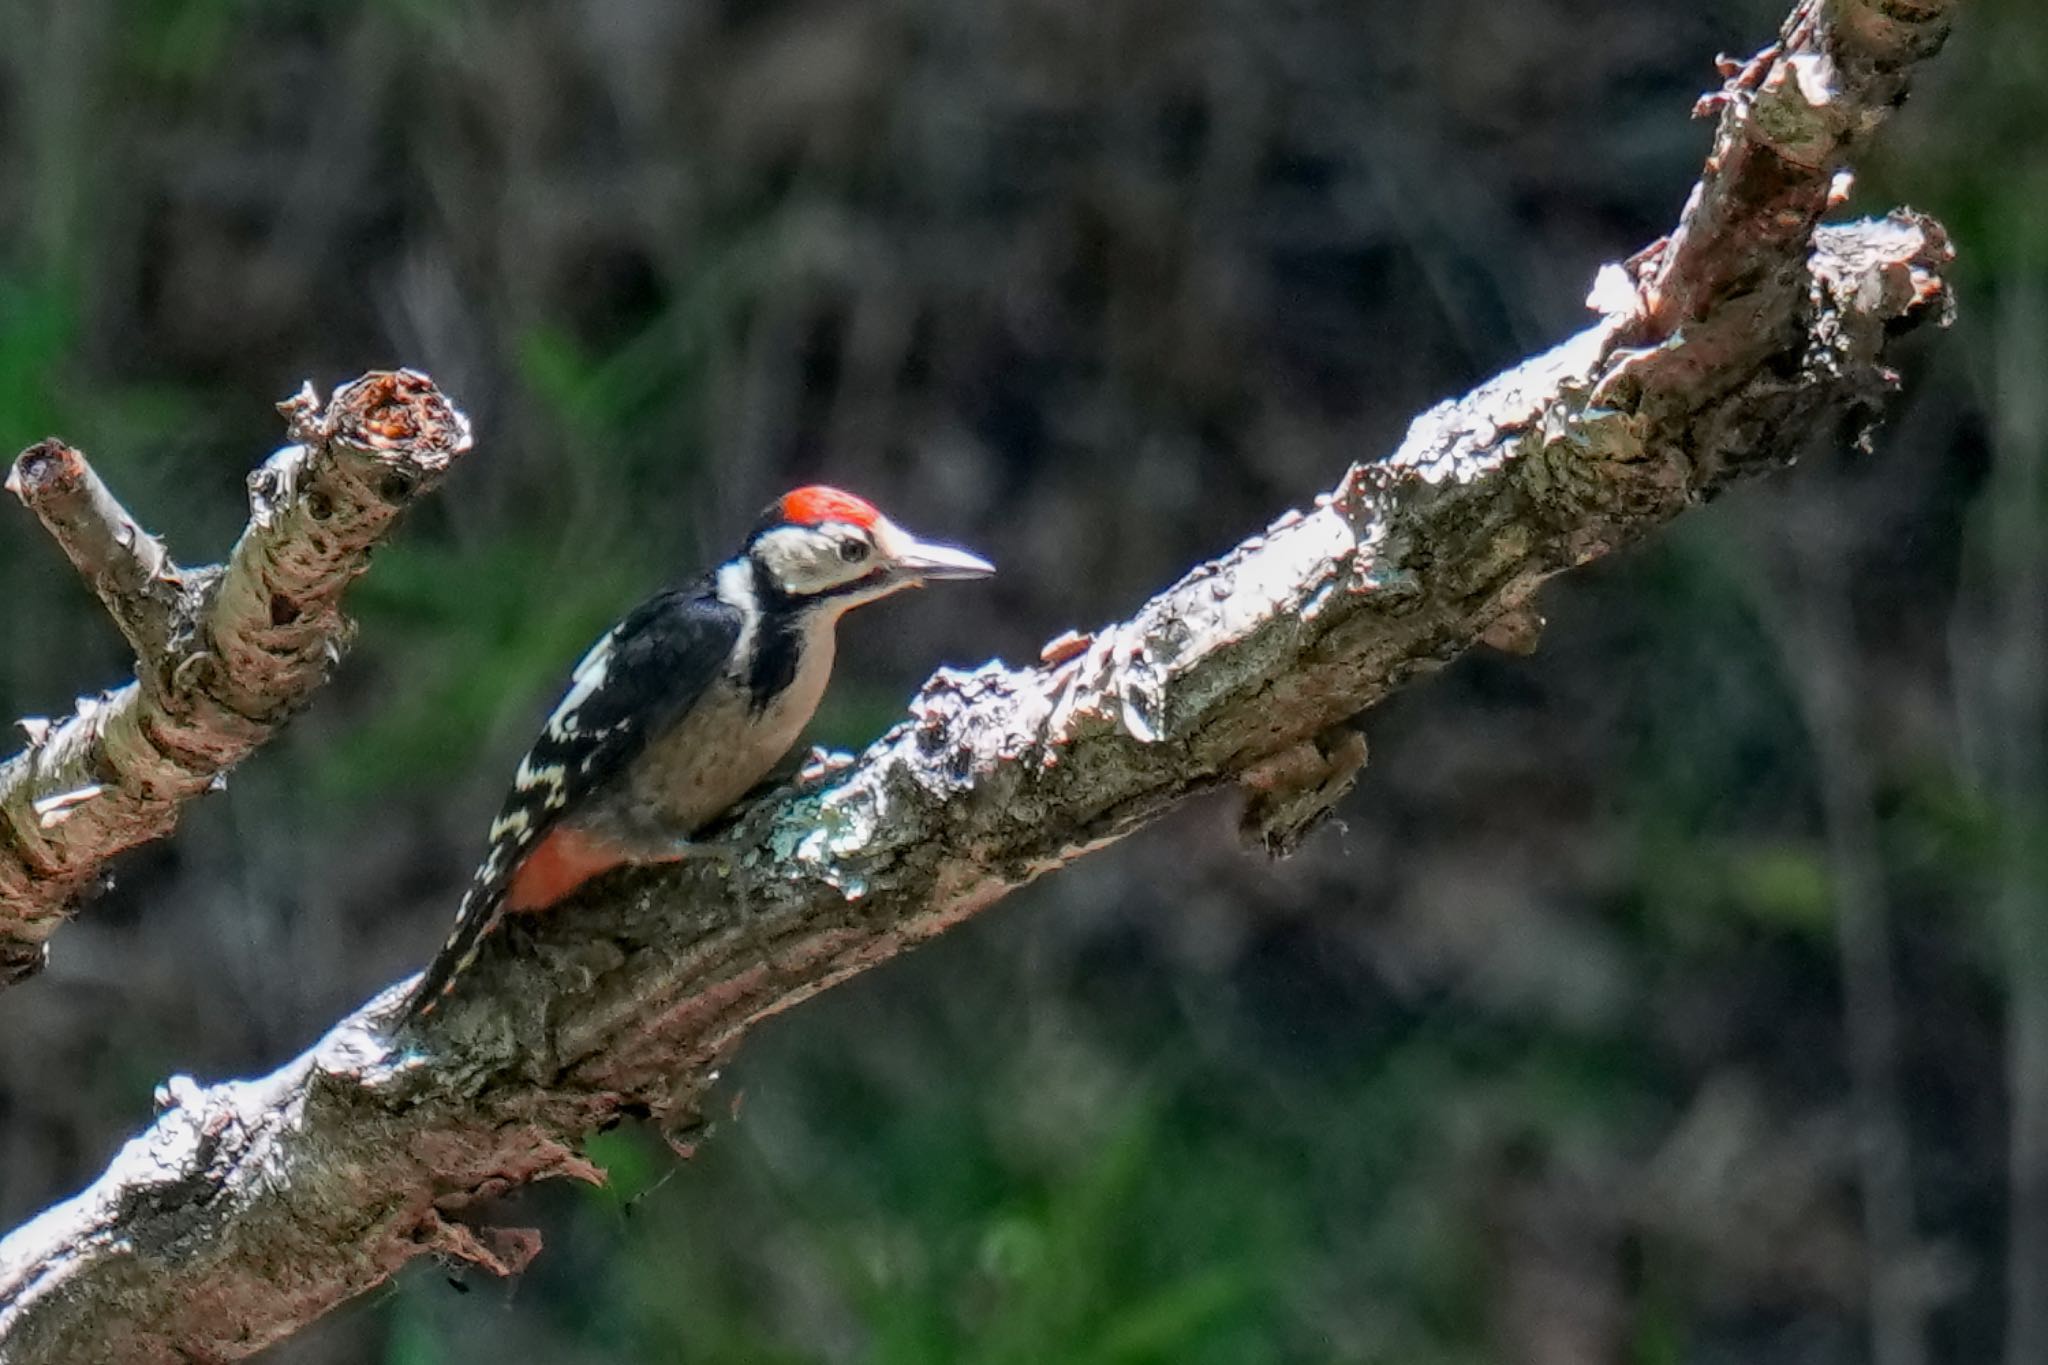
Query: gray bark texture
x=223 y=654
x=252 y=1207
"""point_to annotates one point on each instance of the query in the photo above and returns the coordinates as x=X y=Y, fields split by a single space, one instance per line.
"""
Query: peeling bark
x=252 y=1207
x=224 y=654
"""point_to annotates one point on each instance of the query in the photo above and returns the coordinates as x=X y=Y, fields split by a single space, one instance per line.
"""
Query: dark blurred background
x=1674 y=995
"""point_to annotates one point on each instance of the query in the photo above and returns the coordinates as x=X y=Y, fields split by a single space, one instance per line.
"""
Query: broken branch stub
x=317 y=508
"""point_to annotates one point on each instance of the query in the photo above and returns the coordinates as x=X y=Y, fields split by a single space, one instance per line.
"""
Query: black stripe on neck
x=778 y=637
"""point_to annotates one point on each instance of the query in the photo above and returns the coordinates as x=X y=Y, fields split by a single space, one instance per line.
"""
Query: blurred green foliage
x=492 y=626
x=1174 y=1229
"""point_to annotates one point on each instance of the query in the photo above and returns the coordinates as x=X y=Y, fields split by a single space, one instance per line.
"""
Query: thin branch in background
x=1810 y=621
x=2001 y=666
x=1898 y=1301
x=223 y=655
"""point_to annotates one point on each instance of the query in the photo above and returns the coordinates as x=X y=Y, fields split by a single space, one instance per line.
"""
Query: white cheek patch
x=786 y=556
x=804 y=561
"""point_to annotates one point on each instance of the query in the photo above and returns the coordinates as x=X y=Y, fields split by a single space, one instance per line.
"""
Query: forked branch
x=223 y=654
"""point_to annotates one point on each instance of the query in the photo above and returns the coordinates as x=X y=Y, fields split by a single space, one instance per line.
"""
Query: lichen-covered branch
x=223 y=654
x=252 y=1207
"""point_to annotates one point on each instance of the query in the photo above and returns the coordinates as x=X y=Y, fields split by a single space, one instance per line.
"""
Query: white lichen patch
x=828 y=836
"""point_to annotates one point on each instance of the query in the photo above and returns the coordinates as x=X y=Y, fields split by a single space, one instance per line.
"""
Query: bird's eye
x=853 y=551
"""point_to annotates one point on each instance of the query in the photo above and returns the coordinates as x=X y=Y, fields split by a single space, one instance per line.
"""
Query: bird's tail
x=482 y=909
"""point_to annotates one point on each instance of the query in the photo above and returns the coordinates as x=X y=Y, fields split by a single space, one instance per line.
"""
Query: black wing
x=636 y=681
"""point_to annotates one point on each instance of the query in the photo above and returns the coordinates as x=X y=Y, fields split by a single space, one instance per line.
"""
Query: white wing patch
x=513 y=823
x=549 y=778
x=588 y=677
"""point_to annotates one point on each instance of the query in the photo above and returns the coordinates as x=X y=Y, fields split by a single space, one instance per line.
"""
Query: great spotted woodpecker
x=683 y=707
